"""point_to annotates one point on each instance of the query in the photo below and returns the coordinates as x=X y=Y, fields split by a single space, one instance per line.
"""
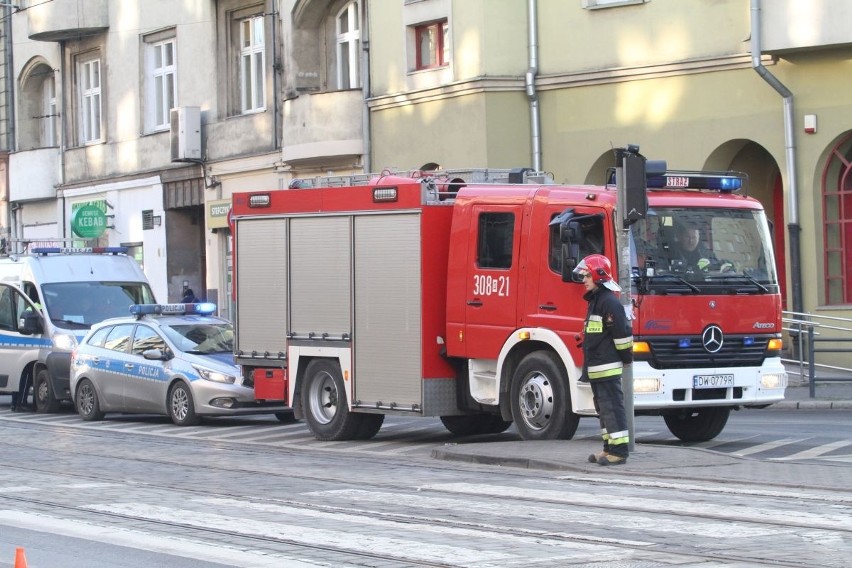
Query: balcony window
x=89 y=85
x=348 y=44
x=252 y=65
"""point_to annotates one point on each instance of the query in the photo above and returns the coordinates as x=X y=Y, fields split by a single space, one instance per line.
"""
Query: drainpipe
x=793 y=227
x=529 y=82
x=276 y=71
x=366 y=161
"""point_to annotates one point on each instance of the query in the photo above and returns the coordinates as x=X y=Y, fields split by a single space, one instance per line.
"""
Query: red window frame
x=437 y=51
x=837 y=223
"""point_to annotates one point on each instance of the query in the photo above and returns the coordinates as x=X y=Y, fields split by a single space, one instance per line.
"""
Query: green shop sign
x=89 y=221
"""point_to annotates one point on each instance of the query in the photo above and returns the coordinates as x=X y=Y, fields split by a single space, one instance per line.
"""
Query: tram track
x=409 y=518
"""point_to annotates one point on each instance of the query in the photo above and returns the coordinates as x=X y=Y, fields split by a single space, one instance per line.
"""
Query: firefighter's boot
x=612 y=459
x=594 y=458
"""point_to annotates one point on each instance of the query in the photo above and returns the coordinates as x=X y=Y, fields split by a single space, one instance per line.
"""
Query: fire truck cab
x=450 y=294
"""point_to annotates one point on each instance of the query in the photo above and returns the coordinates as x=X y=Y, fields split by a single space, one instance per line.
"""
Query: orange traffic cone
x=20 y=558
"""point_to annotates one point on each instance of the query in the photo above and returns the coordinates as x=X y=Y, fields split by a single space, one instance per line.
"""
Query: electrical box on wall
x=185 y=132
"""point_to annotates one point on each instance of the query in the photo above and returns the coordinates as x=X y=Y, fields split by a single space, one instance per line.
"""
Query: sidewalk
x=650 y=461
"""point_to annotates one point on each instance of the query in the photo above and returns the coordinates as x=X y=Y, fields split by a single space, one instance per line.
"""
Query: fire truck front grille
x=736 y=351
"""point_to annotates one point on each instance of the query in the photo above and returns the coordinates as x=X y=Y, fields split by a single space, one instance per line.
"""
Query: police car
x=173 y=359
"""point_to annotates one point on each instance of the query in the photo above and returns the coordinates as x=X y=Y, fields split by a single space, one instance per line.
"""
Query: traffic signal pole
x=623 y=250
x=631 y=183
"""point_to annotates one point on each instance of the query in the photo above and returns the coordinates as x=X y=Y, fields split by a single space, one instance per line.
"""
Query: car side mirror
x=30 y=323
x=157 y=354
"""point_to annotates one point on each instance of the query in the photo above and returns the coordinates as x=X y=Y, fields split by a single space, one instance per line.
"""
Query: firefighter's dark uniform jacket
x=607 y=336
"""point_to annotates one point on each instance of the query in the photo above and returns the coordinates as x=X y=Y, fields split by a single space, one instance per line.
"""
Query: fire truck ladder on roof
x=443 y=184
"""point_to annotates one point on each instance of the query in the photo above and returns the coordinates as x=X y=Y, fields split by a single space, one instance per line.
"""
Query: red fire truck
x=450 y=294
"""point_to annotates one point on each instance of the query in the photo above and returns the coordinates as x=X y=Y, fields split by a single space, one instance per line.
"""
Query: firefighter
x=607 y=347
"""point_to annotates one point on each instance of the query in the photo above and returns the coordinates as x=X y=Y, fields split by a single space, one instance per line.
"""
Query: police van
x=49 y=298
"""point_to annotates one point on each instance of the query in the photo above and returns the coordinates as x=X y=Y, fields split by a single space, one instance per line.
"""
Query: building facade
x=755 y=86
x=155 y=113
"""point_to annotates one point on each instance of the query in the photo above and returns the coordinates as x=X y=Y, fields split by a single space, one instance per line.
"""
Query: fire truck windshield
x=703 y=250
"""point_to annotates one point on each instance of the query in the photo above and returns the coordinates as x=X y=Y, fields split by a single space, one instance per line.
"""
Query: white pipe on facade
x=366 y=163
x=790 y=147
x=529 y=81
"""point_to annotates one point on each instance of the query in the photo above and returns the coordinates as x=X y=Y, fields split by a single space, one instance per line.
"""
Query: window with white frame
x=252 y=64
x=89 y=85
x=431 y=43
x=161 y=81
x=348 y=46
x=48 y=118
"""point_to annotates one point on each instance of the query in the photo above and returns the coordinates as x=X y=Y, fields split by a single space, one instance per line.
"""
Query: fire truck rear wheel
x=473 y=424
x=541 y=400
x=325 y=407
x=697 y=424
x=45 y=400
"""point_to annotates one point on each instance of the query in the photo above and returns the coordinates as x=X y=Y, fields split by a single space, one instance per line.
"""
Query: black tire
x=370 y=425
x=86 y=401
x=44 y=398
x=541 y=400
x=697 y=424
x=324 y=403
x=181 y=405
x=474 y=424
x=286 y=417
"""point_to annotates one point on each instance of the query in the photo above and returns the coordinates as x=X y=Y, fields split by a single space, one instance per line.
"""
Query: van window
x=79 y=305
x=8 y=314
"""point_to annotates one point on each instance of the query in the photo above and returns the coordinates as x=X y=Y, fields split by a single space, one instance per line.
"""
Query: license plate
x=712 y=381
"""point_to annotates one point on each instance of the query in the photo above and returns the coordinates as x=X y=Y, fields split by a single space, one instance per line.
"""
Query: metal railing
x=813 y=334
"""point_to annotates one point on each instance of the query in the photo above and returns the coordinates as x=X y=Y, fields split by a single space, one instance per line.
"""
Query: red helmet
x=601 y=270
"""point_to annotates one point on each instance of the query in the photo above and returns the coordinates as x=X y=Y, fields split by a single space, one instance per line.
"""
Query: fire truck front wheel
x=697 y=424
x=325 y=407
x=541 y=401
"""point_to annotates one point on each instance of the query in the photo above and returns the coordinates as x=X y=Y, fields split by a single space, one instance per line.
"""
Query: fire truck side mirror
x=571 y=234
x=635 y=188
x=637 y=170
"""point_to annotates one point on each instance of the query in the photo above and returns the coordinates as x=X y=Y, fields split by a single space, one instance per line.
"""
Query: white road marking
x=161 y=544
x=838 y=517
x=816 y=451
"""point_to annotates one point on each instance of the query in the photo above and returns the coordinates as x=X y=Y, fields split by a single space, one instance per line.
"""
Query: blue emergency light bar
x=80 y=250
x=201 y=309
x=725 y=182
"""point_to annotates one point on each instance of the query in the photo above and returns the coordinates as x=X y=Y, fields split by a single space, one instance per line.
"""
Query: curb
x=813 y=405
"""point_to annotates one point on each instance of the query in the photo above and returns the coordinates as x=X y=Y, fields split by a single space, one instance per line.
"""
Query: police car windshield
x=79 y=305
x=201 y=338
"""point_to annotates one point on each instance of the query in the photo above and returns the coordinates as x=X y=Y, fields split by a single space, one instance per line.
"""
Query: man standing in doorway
x=607 y=347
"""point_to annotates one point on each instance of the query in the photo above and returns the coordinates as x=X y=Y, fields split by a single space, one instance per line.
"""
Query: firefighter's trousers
x=609 y=404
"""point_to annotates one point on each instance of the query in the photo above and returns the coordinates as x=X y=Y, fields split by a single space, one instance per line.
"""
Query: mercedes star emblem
x=712 y=339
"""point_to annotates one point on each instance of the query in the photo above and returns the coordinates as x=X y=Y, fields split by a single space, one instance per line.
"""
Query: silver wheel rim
x=87 y=399
x=536 y=401
x=42 y=391
x=323 y=398
x=180 y=404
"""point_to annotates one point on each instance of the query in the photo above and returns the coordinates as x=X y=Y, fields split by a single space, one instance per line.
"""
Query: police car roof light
x=79 y=250
x=201 y=309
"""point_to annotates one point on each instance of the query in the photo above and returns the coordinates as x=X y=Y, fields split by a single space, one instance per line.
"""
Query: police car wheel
x=88 y=405
x=541 y=401
x=45 y=401
x=182 y=406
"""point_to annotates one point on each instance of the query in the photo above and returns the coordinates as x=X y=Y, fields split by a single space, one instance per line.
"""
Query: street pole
x=624 y=280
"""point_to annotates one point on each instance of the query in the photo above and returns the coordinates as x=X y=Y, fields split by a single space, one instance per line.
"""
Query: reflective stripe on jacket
x=607 y=336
